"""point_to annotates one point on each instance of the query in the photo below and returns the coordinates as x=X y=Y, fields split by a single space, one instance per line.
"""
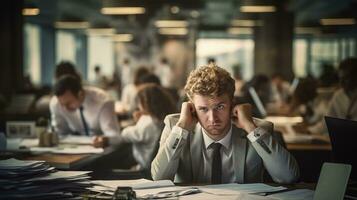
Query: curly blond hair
x=210 y=81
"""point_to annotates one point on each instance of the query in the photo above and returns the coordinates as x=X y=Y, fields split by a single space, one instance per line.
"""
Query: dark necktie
x=85 y=125
x=216 y=164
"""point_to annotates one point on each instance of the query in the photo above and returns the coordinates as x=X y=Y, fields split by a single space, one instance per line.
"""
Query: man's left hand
x=243 y=115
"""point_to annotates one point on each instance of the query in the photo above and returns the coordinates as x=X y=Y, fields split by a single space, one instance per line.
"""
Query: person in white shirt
x=203 y=144
x=82 y=110
x=154 y=104
x=165 y=72
x=343 y=103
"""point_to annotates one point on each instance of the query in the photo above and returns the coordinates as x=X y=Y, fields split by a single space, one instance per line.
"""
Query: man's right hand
x=188 y=118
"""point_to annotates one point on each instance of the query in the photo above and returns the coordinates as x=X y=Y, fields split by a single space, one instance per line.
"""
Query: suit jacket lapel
x=239 y=144
x=196 y=151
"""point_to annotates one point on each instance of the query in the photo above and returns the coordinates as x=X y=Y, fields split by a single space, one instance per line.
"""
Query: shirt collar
x=226 y=141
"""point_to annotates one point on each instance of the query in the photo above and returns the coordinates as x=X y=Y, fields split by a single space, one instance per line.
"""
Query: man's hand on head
x=188 y=118
x=243 y=116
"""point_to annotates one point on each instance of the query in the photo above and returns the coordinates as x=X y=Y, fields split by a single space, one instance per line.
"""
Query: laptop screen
x=332 y=181
x=343 y=136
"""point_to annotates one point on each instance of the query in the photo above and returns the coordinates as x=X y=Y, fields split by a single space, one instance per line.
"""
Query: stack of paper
x=37 y=180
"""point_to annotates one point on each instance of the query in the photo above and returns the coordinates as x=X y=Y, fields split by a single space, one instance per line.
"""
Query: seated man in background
x=82 y=111
x=203 y=144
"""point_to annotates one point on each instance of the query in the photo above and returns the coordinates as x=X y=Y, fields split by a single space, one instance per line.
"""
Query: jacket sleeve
x=280 y=164
x=172 y=141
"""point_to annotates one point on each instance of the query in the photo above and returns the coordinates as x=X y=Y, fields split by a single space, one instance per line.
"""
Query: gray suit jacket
x=180 y=159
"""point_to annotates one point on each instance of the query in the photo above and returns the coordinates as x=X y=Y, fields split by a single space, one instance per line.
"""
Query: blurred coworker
x=65 y=68
x=130 y=91
x=126 y=73
x=100 y=80
x=165 y=73
x=82 y=111
x=239 y=82
x=344 y=101
x=154 y=104
x=280 y=89
x=302 y=99
x=261 y=84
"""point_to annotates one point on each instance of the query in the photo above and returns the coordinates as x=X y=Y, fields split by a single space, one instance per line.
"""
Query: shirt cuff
x=256 y=134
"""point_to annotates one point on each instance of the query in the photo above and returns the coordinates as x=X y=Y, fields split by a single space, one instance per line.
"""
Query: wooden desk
x=308 y=147
x=65 y=162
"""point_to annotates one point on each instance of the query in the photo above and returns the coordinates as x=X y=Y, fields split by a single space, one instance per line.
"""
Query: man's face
x=70 y=101
x=214 y=114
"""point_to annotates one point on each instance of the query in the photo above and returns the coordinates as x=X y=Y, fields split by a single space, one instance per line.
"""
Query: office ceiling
x=207 y=15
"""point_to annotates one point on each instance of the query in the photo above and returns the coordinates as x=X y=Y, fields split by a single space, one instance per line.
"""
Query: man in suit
x=203 y=145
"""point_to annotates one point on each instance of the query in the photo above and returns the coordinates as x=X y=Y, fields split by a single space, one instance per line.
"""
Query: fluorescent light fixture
x=171 y=23
x=240 y=31
x=257 y=9
x=30 y=11
x=122 y=37
x=307 y=30
x=101 y=31
x=338 y=21
x=246 y=22
x=122 y=10
x=71 y=25
x=173 y=31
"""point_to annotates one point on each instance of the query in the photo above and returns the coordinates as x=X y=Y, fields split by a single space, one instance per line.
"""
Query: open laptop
x=332 y=182
x=343 y=136
x=258 y=102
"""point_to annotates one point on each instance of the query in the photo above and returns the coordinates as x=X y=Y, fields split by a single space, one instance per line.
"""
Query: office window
x=227 y=53
x=65 y=47
x=100 y=52
x=300 y=57
x=32 y=53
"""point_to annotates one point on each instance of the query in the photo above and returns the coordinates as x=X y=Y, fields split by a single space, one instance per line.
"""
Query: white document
x=76 y=139
x=234 y=188
x=298 y=194
x=13 y=163
x=135 y=184
x=79 y=149
x=62 y=175
x=14 y=144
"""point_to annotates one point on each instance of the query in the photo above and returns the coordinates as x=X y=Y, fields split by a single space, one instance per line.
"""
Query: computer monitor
x=258 y=102
x=343 y=136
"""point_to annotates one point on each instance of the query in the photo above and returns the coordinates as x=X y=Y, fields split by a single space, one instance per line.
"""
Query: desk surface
x=62 y=161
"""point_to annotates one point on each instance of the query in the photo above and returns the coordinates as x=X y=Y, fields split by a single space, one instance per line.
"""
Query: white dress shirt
x=98 y=111
x=226 y=155
x=144 y=136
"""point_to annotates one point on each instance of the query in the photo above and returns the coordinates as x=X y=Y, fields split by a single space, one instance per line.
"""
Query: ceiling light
x=122 y=10
x=257 y=9
x=122 y=37
x=171 y=23
x=173 y=31
x=71 y=25
x=247 y=23
x=101 y=31
x=30 y=11
x=338 y=21
x=240 y=31
x=307 y=30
